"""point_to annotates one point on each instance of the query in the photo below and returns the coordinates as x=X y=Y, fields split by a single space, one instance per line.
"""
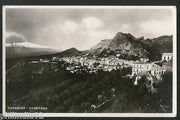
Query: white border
x=174 y=107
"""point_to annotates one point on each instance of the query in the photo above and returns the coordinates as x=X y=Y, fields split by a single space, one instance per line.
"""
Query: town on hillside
x=143 y=67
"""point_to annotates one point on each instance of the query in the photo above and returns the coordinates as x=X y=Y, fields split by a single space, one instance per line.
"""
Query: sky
x=83 y=28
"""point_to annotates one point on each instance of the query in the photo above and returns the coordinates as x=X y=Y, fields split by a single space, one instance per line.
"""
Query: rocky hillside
x=157 y=46
x=103 y=44
x=123 y=44
x=129 y=47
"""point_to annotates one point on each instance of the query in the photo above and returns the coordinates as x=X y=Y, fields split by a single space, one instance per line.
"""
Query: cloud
x=13 y=37
x=92 y=23
x=83 y=28
x=158 y=27
x=81 y=34
x=70 y=26
x=125 y=26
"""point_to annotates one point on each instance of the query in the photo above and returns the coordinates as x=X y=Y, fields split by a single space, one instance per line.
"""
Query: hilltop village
x=93 y=64
x=143 y=67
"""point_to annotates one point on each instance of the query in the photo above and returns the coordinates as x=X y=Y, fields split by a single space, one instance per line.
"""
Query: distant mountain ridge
x=68 y=52
x=126 y=46
x=157 y=46
x=123 y=45
x=26 y=49
x=26 y=52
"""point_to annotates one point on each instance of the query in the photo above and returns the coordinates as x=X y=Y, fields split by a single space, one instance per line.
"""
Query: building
x=167 y=56
x=32 y=62
x=55 y=59
x=44 y=60
x=143 y=67
x=144 y=59
x=157 y=70
x=139 y=67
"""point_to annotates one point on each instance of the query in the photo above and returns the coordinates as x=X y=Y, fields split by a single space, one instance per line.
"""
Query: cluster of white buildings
x=91 y=60
x=154 y=68
x=153 y=71
x=142 y=67
x=94 y=64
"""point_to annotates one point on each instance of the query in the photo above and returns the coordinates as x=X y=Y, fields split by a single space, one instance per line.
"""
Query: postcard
x=89 y=61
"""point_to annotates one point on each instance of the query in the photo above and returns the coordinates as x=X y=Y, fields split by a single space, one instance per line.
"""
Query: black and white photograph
x=102 y=61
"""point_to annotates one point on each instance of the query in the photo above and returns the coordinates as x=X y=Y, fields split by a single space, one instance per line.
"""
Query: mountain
x=130 y=47
x=25 y=52
x=157 y=46
x=68 y=52
x=103 y=44
x=26 y=49
x=124 y=44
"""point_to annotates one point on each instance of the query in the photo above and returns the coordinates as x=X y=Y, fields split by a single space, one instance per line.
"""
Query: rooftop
x=168 y=54
x=141 y=62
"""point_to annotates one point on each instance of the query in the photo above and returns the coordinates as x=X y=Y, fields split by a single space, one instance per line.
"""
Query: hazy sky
x=83 y=28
